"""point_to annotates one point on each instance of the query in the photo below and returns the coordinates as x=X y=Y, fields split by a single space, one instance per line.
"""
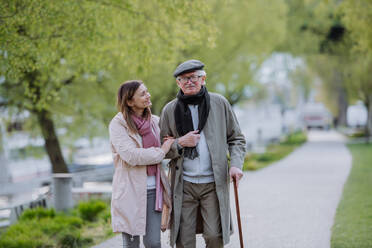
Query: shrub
x=44 y=228
x=266 y=157
x=359 y=134
x=22 y=242
x=25 y=234
x=295 y=138
x=106 y=215
x=37 y=229
x=60 y=223
x=37 y=213
x=90 y=210
x=71 y=239
x=71 y=221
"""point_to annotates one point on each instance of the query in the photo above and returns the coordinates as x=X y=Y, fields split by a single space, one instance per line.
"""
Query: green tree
x=333 y=71
x=248 y=32
x=60 y=58
x=357 y=16
x=316 y=33
x=360 y=85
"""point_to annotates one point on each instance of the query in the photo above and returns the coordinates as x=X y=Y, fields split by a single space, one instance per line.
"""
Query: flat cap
x=188 y=66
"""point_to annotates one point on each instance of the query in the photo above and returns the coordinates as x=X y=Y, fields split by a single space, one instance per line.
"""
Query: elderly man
x=206 y=130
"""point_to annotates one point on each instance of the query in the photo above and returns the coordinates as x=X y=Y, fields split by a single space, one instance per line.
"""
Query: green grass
x=84 y=226
x=353 y=221
x=274 y=152
x=1 y=143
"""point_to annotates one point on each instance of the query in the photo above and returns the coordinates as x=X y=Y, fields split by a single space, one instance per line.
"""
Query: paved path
x=292 y=203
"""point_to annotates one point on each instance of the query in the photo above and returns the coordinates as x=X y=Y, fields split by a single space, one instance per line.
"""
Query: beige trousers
x=201 y=196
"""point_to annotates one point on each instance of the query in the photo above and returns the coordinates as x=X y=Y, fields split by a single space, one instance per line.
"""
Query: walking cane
x=238 y=213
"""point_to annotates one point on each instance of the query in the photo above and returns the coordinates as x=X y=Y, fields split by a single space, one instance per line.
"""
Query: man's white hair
x=201 y=73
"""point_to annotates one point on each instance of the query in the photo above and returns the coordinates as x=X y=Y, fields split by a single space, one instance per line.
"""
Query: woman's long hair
x=125 y=93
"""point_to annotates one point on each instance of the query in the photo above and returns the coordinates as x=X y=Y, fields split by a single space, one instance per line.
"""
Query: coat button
x=176 y=167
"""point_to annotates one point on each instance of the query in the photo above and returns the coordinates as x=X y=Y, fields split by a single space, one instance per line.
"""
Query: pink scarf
x=151 y=138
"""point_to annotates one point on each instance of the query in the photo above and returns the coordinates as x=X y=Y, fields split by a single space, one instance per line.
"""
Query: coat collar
x=134 y=136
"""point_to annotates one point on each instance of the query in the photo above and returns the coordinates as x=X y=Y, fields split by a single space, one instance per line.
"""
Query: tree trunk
x=342 y=100
x=51 y=142
x=369 y=119
x=342 y=107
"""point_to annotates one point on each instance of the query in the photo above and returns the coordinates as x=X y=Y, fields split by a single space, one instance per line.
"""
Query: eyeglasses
x=193 y=78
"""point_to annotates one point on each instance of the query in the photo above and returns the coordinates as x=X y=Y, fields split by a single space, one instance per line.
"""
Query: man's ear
x=203 y=80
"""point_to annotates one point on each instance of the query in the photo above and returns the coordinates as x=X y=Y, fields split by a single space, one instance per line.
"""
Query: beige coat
x=223 y=136
x=129 y=185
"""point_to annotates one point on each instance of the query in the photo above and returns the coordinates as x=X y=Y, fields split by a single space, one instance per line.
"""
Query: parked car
x=316 y=115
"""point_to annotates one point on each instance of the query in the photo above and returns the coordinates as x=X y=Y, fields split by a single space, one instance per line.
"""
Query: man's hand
x=235 y=173
x=190 y=139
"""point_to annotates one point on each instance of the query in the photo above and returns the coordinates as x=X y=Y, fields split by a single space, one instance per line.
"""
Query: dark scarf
x=183 y=116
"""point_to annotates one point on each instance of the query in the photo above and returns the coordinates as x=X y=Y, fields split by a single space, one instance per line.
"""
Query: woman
x=139 y=185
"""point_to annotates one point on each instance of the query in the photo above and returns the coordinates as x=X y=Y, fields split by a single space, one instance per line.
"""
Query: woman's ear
x=130 y=103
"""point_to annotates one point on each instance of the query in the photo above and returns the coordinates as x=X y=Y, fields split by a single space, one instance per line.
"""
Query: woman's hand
x=168 y=141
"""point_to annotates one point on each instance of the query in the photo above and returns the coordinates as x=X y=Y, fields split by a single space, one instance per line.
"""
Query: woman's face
x=140 y=99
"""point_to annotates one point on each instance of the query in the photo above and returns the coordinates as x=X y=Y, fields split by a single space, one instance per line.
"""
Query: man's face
x=190 y=83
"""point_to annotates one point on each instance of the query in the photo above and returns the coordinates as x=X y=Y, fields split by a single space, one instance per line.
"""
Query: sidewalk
x=290 y=204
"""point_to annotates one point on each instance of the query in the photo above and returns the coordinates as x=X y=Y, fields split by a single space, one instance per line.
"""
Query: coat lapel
x=135 y=136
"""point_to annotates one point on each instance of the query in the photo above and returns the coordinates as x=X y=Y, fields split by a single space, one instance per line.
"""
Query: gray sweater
x=198 y=170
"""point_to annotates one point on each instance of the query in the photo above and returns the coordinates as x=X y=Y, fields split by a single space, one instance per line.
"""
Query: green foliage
x=38 y=213
x=315 y=32
x=89 y=211
x=106 y=215
x=335 y=40
x=353 y=220
x=237 y=53
x=358 y=134
x=25 y=233
x=310 y=27
x=296 y=138
x=47 y=228
x=68 y=58
x=53 y=49
x=358 y=18
x=274 y=152
x=60 y=223
x=72 y=238
x=1 y=142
